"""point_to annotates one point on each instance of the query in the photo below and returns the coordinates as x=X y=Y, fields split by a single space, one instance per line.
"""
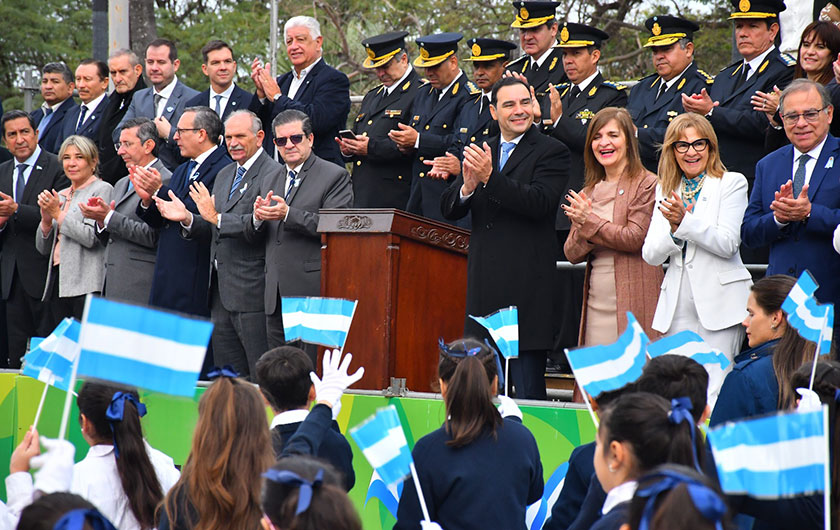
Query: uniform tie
x=507 y=147
x=662 y=88
x=240 y=172
x=743 y=78
x=574 y=93
x=799 y=175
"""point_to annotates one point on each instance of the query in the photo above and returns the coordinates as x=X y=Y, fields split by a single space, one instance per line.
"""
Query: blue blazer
x=52 y=137
x=324 y=97
x=575 y=487
x=182 y=271
x=93 y=121
x=750 y=389
x=806 y=244
x=240 y=99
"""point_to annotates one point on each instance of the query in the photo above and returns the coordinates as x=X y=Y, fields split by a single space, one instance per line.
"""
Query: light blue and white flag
x=382 y=441
x=690 y=344
x=389 y=496
x=324 y=321
x=782 y=455
x=609 y=367
x=503 y=326
x=537 y=513
x=51 y=359
x=142 y=347
x=814 y=321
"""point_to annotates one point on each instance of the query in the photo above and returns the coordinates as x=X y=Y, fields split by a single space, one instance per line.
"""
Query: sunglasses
x=280 y=141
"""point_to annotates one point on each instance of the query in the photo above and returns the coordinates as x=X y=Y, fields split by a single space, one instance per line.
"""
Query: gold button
x=472 y=139
x=427 y=127
x=399 y=177
x=358 y=162
x=370 y=122
x=422 y=175
x=421 y=158
x=364 y=133
x=645 y=126
x=444 y=126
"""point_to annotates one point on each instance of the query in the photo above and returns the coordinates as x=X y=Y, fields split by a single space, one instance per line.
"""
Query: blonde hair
x=594 y=171
x=86 y=148
x=669 y=170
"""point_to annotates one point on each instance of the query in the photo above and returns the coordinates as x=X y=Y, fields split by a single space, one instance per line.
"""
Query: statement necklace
x=691 y=187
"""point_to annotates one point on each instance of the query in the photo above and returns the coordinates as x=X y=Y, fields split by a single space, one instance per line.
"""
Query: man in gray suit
x=131 y=244
x=238 y=274
x=286 y=217
x=164 y=101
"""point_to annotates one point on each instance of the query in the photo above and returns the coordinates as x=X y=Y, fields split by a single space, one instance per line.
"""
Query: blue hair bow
x=681 y=412
x=474 y=351
x=707 y=501
x=225 y=371
x=116 y=412
x=76 y=519
x=290 y=478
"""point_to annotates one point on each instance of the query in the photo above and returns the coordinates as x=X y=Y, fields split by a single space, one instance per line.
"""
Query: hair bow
x=681 y=411
x=225 y=371
x=116 y=412
x=76 y=519
x=456 y=353
x=707 y=501
x=292 y=479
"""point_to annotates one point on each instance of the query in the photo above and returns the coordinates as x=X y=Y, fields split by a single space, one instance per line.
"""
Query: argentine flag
x=324 y=321
x=602 y=368
x=382 y=441
x=812 y=320
x=781 y=455
x=503 y=326
x=51 y=360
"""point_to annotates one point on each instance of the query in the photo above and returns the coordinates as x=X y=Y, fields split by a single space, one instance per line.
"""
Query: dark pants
x=239 y=338
x=61 y=307
x=26 y=317
x=276 y=336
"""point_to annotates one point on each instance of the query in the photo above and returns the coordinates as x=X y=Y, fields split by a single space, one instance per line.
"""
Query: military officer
x=656 y=99
x=381 y=173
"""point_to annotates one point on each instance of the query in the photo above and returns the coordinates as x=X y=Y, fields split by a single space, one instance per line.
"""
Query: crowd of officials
x=203 y=202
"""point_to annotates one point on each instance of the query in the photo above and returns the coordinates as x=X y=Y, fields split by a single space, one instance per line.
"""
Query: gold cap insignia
x=424 y=53
x=371 y=54
x=744 y=6
x=656 y=29
x=564 y=34
x=476 y=50
x=523 y=13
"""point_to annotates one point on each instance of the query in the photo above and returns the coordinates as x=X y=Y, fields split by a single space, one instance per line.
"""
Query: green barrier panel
x=170 y=422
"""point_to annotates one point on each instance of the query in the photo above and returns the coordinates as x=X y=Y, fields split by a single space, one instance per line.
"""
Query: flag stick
x=585 y=396
x=826 y=471
x=65 y=415
x=420 y=493
x=40 y=406
x=817 y=352
x=507 y=378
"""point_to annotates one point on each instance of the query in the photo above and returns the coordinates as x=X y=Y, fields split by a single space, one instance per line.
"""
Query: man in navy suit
x=224 y=96
x=795 y=204
x=92 y=83
x=57 y=90
x=312 y=87
x=182 y=270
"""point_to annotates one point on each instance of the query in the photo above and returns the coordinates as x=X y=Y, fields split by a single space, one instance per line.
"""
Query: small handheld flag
x=51 y=360
x=812 y=320
x=324 y=321
x=503 y=326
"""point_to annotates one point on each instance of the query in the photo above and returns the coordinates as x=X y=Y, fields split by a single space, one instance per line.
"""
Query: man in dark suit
x=127 y=77
x=163 y=102
x=92 y=84
x=431 y=130
x=657 y=98
x=238 y=275
x=381 y=173
x=224 y=96
x=312 y=87
x=130 y=243
x=285 y=217
x=794 y=207
x=182 y=268
x=57 y=90
x=511 y=185
x=23 y=270
x=739 y=128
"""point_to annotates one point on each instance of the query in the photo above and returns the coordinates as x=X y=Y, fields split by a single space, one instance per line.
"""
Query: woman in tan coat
x=610 y=219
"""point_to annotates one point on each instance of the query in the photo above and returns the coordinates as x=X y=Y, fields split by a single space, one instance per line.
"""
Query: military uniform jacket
x=572 y=125
x=740 y=129
x=382 y=179
x=475 y=125
x=652 y=115
x=435 y=121
x=550 y=72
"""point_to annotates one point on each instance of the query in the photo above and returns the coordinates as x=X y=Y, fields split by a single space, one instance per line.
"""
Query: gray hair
x=207 y=119
x=256 y=123
x=146 y=130
x=60 y=68
x=291 y=116
x=303 y=22
x=683 y=42
x=86 y=148
x=132 y=57
x=804 y=84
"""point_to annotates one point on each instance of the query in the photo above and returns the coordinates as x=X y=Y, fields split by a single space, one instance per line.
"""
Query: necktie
x=158 y=97
x=291 y=185
x=190 y=167
x=662 y=88
x=240 y=172
x=485 y=103
x=742 y=79
x=20 y=184
x=507 y=147
x=574 y=93
x=218 y=108
x=42 y=127
x=81 y=118
x=534 y=66
x=799 y=175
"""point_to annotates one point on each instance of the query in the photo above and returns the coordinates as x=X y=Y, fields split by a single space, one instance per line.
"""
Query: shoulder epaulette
x=473 y=88
x=423 y=82
x=709 y=79
x=617 y=86
x=788 y=59
x=523 y=56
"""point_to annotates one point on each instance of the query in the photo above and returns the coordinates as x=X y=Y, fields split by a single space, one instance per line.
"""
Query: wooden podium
x=409 y=275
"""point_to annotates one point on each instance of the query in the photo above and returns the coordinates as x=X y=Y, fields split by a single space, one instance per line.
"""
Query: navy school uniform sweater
x=333 y=448
x=575 y=486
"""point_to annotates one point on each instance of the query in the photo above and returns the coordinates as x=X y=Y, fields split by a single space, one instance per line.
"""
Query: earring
x=611 y=468
x=774 y=326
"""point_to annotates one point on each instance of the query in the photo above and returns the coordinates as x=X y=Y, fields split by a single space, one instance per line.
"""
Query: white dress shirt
x=755 y=64
x=30 y=164
x=299 y=78
x=541 y=59
x=164 y=94
x=809 y=167
x=389 y=89
x=515 y=142
x=90 y=108
x=223 y=103
x=617 y=495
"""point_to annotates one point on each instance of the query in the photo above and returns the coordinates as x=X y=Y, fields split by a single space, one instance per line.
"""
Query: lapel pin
x=621 y=192
x=830 y=163
x=243 y=188
x=233 y=103
x=39 y=168
x=170 y=109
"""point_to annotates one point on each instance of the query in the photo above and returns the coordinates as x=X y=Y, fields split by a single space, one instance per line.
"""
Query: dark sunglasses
x=295 y=138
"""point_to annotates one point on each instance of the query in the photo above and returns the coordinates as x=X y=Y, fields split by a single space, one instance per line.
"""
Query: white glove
x=429 y=525
x=809 y=401
x=335 y=379
x=508 y=407
x=55 y=466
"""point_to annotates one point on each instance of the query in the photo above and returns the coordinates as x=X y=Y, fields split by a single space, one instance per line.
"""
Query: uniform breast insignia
x=553 y=64
x=406 y=86
x=672 y=114
x=463 y=130
x=584 y=116
x=763 y=66
x=394 y=113
x=487 y=131
x=655 y=81
x=681 y=84
x=524 y=66
x=360 y=116
x=455 y=88
x=592 y=92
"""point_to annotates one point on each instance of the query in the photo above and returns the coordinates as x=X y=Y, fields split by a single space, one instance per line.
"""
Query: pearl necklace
x=691 y=187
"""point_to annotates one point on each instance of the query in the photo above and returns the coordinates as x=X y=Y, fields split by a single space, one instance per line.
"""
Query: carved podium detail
x=355 y=222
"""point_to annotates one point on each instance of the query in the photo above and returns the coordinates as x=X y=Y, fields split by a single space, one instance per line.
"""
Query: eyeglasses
x=280 y=141
x=127 y=145
x=699 y=146
x=811 y=116
x=180 y=131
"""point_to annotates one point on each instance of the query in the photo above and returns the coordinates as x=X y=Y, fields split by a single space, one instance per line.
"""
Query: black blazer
x=111 y=167
x=240 y=99
x=52 y=137
x=334 y=449
x=93 y=121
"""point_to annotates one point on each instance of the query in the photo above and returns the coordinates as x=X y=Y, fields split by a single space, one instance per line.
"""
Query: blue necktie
x=42 y=127
x=291 y=185
x=190 y=167
x=81 y=118
x=799 y=175
x=240 y=172
x=218 y=108
x=507 y=147
x=21 y=182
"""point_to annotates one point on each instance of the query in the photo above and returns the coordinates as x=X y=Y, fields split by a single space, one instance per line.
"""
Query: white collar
x=393 y=87
x=289 y=416
x=45 y=106
x=100 y=450
x=250 y=162
x=813 y=153
x=167 y=90
x=93 y=104
x=669 y=84
x=203 y=156
x=306 y=70
x=32 y=158
x=756 y=62
x=617 y=495
x=541 y=59
x=583 y=85
x=515 y=141
x=151 y=162
x=446 y=90
x=226 y=94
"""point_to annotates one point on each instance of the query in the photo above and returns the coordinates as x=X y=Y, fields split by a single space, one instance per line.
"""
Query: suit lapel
x=310 y=78
x=172 y=102
x=302 y=175
x=522 y=151
x=829 y=152
x=34 y=177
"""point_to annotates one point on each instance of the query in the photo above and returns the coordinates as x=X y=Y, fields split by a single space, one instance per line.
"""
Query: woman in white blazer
x=696 y=227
